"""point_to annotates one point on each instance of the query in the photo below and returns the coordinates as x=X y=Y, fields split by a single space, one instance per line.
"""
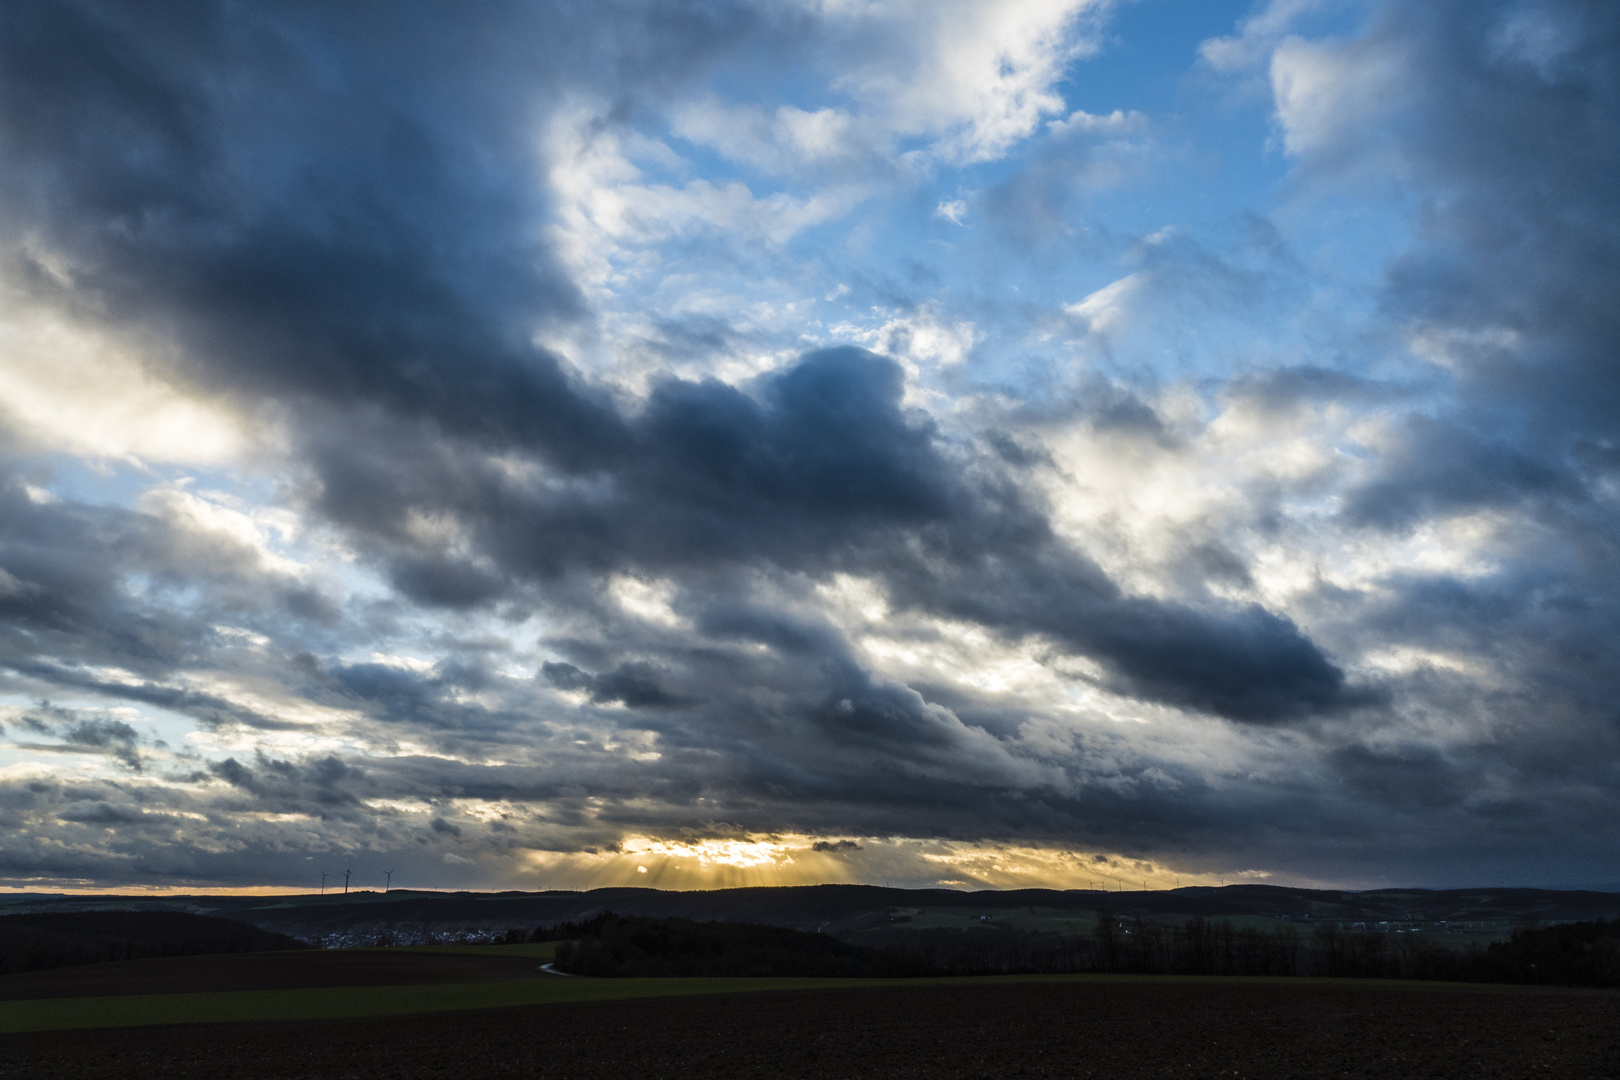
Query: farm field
x=1098 y=1026
x=225 y=973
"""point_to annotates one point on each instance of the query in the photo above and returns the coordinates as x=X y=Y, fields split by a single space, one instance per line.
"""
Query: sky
x=1069 y=443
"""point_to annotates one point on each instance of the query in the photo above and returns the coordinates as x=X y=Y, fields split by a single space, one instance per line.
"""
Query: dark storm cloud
x=1436 y=469
x=209 y=710
x=62 y=586
x=102 y=814
x=835 y=845
x=636 y=685
x=1405 y=776
x=397 y=695
x=1508 y=127
x=71 y=616
x=1245 y=664
x=330 y=261
x=101 y=733
x=320 y=784
x=113 y=738
x=821 y=470
x=322 y=203
x=368 y=268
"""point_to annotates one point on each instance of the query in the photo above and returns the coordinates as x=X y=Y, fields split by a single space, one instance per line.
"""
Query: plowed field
x=1103 y=1028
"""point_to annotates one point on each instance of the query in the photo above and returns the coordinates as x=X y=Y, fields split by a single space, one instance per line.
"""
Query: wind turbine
x=323 y=882
x=346 y=882
x=388 y=876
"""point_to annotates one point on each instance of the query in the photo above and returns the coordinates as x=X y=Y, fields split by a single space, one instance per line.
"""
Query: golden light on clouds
x=54 y=887
x=796 y=859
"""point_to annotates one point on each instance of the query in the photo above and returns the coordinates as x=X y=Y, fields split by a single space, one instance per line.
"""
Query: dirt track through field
x=1101 y=1028
x=267 y=971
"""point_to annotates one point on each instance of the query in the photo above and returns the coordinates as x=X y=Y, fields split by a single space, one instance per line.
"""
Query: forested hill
x=40 y=940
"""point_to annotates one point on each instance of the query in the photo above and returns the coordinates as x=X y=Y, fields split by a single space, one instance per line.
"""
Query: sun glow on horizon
x=771 y=860
x=904 y=862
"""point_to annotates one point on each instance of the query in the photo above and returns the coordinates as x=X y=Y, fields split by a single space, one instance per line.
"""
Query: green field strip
x=56 y=1014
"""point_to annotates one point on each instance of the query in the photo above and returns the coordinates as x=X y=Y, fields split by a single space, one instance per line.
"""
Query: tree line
x=613 y=946
x=1573 y=954
x=1570 y=954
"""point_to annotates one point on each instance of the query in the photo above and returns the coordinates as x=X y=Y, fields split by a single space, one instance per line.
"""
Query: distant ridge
x=838 y=908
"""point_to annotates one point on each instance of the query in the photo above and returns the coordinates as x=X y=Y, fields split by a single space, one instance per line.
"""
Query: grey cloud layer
x=339 y=218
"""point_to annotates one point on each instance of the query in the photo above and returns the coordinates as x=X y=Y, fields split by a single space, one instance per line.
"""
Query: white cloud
x=611 y=219
x=1326 y=91
x=1106 y=310
x=1081 y=122
x=923 y=338
x=1257 y=36
x=972 y=77
x=259 y=530
x=66 y=386
x=1329 y=94
x=778 y=141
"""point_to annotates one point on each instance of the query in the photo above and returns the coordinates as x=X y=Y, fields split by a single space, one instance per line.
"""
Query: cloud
x=65 y=387
x=484 y=470
x=634 y=684
x=824 y=471
x=835 y=845
x=974 y=79
x=1258 y=35
x=784 y=141
x=1325 y=93
x=1431 y=469
x=1106 y=308
x=481 y=471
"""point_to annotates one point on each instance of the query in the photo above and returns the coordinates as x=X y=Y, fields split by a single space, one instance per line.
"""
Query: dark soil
x=265 y=971
x=1105 y=1029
